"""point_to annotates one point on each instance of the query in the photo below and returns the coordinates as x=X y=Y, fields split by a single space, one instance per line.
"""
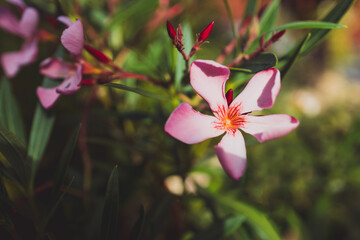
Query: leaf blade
x=135 y=90
x=308 y=24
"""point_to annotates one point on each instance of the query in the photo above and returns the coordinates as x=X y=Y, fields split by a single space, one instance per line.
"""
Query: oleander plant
x=189 y=120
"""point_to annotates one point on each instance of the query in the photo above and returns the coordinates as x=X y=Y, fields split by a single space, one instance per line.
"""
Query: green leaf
x=290 y=61
x=232 y=224
x=10 y=117
x=135 y=90
x=250 y=8
x=260 y=62
x=41 y=127
x=308 y=24
x=137 y=231
x=65 y=159
x=269 y=17
x=254 y=216
x=333 y=16
x=244 y=70
x=14 y=150
x=111 y=206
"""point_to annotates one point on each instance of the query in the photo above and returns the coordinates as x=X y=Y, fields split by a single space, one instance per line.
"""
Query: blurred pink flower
x=208 y=79
x=72 y=39
x=26 y=28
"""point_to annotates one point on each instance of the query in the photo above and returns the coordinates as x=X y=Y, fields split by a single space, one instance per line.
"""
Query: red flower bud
x=171 y=30
x=205 y=33
x=277 y=36
x=229 y=96
x=97 y=54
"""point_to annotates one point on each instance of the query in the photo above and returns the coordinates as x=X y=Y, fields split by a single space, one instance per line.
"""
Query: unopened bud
x=277 y=36
x=171 y=30
x=206 y=32
x=97 y=54
x=229 y=96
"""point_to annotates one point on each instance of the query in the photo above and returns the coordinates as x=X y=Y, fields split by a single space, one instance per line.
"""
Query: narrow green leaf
x=232 y=224
x=334 y=16
x=290 y=61
x=65 y=159
x=261 y=62
x=41 y=127
x=137 y=231
x=14 y=150
x=111 y=206
x=254 y=216
x=250 y=8
x=135 y=90
x=269 y=17
x=308 y=24
x=10 y=117
x=244 y=70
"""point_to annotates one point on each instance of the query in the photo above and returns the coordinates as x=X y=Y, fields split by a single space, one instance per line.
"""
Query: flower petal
x=12 y=61
x=231 y=152
x=190 y=126
x=208 y=80
x=269 y=127
x=47 y=96
x=29 y=22
x=72 y=82
x=8 y=21
x=56 y=68
x=260 y=92
x=73 y=38
x=65 y=20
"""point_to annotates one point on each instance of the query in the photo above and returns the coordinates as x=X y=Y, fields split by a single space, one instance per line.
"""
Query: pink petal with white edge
x=47 y=96
x=65 y=20
x=208 y=79
x=11 y=62
x=190 y=126
x=269 y=127
x=260 y=92
x=231 y=152
x=56 y=68
x=8 y=21
x=73 y=38
x=72 y=83
x=29 y=22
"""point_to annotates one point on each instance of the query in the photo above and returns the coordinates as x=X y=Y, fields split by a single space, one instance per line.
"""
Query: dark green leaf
x=289 y=61
x=137 y=231
x=232 y=224
x=261 y=62
x=65 y=159
x=14 y=151
x=135 y=90
x=308 y=24
x=41 y=127
x=10 y=117
x=111 y=206
x=244 y=70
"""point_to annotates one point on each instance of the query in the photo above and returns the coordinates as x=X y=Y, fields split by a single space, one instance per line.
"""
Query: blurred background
x=307 y=183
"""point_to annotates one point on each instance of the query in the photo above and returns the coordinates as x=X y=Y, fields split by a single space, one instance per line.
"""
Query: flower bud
x=277 y=36
x=205 y=33
x=97 y=54
x=171 y=30
x=229 y=96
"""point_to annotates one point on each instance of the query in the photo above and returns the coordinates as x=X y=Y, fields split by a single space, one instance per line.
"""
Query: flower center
x=229 y=120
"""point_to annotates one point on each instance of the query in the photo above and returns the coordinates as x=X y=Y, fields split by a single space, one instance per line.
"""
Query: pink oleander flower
x=72 y=39
x=208 y=79
x=27 y=28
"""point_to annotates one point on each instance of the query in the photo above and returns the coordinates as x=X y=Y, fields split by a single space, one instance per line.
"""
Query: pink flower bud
x=97 y=54
x=205 y=33
x=171 y=30
x=277 y=36
x=229 y=96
